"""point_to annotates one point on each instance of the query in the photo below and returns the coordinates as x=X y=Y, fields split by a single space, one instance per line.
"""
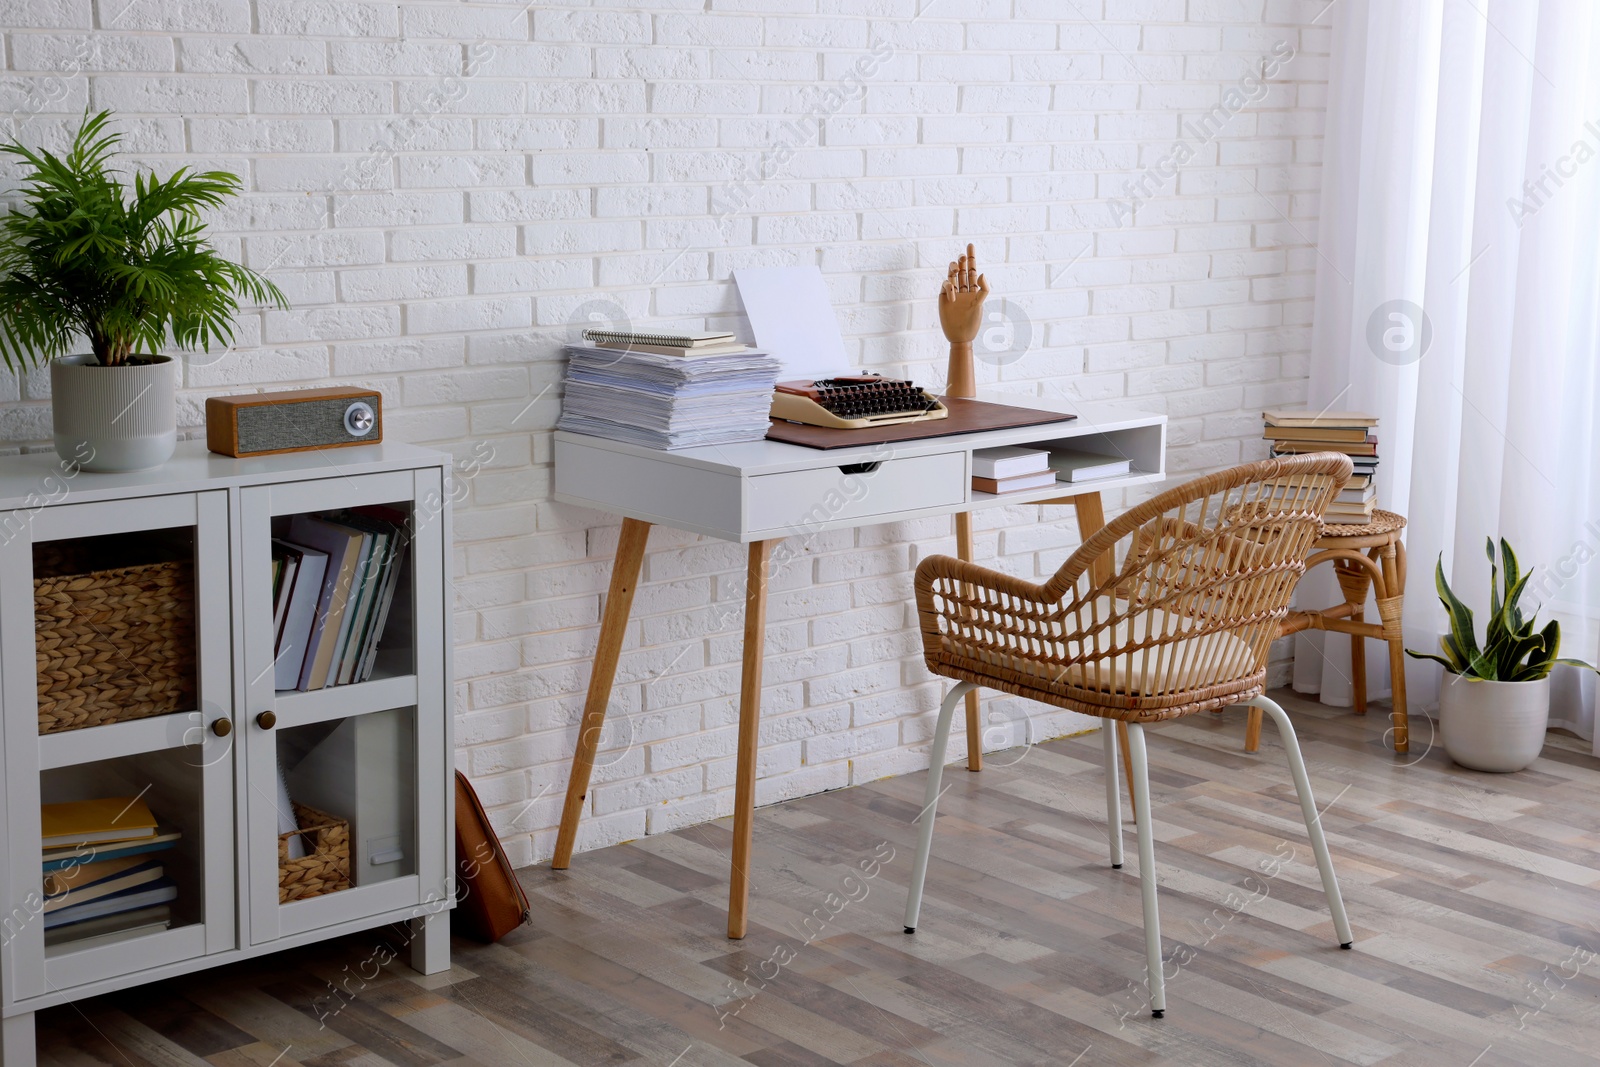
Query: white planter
x=1493 y=726
x=114 y=418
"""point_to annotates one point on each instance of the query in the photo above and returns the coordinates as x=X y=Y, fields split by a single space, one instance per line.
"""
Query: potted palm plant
x=1495 y=703
x=85 y=261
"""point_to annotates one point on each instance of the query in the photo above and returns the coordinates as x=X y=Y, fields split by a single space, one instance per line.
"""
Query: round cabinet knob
x=267 y=720
x=222 y=727
x=359 y=419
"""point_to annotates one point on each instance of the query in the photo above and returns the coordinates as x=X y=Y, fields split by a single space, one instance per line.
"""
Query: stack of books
x=104 y=879
x=1012 y=469
x=334 y=579
x=666 y=390
x=1297 y=431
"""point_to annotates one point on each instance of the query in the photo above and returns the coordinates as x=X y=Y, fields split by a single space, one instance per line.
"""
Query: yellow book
x=88 y=822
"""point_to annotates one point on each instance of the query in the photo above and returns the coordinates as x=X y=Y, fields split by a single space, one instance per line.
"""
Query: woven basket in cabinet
x=326 y=865
x=114 y=633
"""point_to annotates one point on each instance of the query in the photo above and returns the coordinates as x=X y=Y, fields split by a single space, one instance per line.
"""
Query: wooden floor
x=1475 y=900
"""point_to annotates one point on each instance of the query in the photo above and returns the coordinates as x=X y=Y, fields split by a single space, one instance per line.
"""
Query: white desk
x=760 y=492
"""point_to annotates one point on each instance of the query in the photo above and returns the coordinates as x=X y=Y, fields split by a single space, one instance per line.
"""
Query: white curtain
x=1461 y=174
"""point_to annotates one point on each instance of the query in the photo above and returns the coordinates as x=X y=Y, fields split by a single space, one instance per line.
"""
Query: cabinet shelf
x=181 y=729
x=389 y=687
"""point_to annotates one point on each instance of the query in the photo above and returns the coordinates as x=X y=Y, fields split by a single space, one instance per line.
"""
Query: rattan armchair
x=1167 y=611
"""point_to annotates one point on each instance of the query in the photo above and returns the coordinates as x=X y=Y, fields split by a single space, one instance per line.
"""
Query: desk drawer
x=829 y=496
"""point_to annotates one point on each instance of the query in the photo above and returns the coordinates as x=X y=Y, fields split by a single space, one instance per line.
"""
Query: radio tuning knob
x=359 y=419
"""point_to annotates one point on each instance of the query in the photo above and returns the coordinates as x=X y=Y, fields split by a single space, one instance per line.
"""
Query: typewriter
x=855 y=402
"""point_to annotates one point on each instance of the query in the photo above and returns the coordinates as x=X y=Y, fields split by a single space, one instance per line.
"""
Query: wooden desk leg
x=744 y=790
x=974 y=723
x=619 y=602
x=1091 y=516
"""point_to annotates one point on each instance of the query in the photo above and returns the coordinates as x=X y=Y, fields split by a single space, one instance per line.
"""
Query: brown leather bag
x=490 y=902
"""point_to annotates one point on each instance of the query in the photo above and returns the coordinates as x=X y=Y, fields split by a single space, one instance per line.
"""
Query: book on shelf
x=92 y=822
x=1014 y=485
x=397 y=523
x=1303 y=417
x=96 y=880
x=110 y=929
x=1367 y=447
x=161 y=891
x=1347 y=435
x=285 y=565
x=369 y=588
x=1009 y=461
x=63 y=859
x=350 y=565
x=299 y=614
x=1349 y=513
x=1072 y=465
x=343 y=546
x=1359 y=494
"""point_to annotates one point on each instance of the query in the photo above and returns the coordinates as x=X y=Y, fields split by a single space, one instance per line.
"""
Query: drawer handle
x=222 y=727
x=861 y=468
x=267 y=720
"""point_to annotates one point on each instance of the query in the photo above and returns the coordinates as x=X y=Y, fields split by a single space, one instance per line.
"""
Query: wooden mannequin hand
x=961 y=300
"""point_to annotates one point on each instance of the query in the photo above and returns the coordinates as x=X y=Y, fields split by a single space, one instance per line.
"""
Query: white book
x=280 y=604
x=1008 y=461
x=290 y=652
x=1074 y=466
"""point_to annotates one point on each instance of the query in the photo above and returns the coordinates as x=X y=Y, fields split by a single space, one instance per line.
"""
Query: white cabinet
x=375 y=753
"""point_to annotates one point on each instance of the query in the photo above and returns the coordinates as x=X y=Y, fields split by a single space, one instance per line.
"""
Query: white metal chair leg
x=1108 y=738
x=1147 y=869
x=941 y=741
x=1308 y=808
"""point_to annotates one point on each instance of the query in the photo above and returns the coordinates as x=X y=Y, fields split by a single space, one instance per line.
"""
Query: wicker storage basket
x=326 y=867
x=114 y=629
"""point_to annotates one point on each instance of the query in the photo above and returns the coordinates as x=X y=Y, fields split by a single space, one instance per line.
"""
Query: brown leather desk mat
x=966 y=416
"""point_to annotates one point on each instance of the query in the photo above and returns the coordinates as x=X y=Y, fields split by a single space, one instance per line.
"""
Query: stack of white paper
x=666 y=401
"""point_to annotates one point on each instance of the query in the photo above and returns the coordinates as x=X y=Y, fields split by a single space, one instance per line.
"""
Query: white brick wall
x=441 y=186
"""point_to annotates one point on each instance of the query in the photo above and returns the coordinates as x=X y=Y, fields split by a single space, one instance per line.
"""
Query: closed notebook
x=1014 y=485
x=1311 y=417
x=140 y=874
x=289 y=654
x=89 y=822
x=61 y=859
x=1008 y=461
x=1075 y=466
x=89 y=872
x=158 y=892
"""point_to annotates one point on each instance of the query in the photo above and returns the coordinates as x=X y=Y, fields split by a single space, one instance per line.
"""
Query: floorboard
x=1475 y=898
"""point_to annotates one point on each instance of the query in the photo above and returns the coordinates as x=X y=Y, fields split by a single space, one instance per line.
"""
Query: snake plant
x=1512 y=650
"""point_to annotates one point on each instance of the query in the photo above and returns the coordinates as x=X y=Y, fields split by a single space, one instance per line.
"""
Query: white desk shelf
x=759 y=492
x=215 y=783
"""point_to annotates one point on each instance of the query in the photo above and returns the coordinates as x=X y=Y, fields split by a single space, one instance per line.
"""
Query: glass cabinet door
x=344 y=731
x=118 y=738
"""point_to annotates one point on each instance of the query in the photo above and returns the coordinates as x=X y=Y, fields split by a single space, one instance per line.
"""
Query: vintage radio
x=301 y=420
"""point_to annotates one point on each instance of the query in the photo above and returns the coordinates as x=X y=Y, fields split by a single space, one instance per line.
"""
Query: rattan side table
x=1368 y=556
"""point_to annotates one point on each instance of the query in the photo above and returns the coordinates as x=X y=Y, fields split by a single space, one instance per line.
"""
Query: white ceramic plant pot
x=1493 y=726
x=114 y=418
